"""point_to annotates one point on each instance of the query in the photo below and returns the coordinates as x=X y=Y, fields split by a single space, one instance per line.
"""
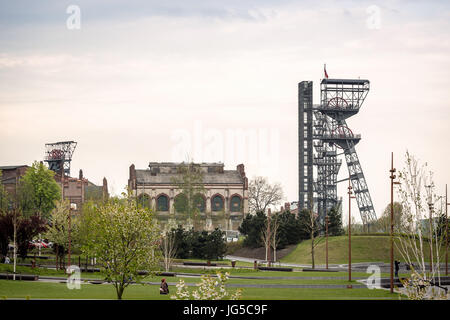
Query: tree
x=208 y=289
x=251 y=227
x=335 y=223
x=6 y=232
x=262 y=195
x=384 y=222
x=417 y=238
x=58 y=229
x=4 y=197
x=168 y=248
x=27 y=229
x=310 y=224
x=125 y=240
x=190 y=183
x=38 y=190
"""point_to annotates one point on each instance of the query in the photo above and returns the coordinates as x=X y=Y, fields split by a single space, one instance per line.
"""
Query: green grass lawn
x=364 y=249
x=43 y=290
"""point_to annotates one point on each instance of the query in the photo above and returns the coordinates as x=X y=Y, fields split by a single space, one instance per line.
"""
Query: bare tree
x=266 y=236
x=417 y=237
x=168 y=247
x=310 y=225
x=275 y=237
x=263 y=195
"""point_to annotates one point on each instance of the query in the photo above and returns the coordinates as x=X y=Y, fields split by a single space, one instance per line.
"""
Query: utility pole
x=14 y=239
x=350 y=230
x=72 y=207
x=446 y=231
x=392 y=177
x=430 y=222
x=326 y=234
x=269 y=236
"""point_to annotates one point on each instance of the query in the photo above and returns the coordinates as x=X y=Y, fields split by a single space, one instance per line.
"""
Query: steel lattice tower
x=58 y=155
x=324 y=127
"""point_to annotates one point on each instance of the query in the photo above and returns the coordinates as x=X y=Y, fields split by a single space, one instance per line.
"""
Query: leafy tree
x=384 y=222
x=4 y=197
x=6 y=231
x=290 y=230
x=215 y=246
x=38 y=190
x=262 y=194
x=335 y=227
x=251 y=227
x=190 y=183
x=27 y=229
x=125 y=240
x=58 y=229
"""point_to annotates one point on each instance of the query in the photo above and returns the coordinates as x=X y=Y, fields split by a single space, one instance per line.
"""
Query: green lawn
x=364 y=249
x=43 y=290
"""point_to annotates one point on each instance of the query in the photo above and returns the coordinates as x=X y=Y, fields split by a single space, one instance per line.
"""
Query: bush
x=199 y=244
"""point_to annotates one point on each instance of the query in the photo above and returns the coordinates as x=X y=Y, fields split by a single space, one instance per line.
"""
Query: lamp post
x=326 y=242
x=350 y=231
x=73 y=206
x=392 y=177
x=446 y=231
x=430 y=223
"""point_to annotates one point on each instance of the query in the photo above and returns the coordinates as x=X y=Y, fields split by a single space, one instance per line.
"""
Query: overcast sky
x=140 y=81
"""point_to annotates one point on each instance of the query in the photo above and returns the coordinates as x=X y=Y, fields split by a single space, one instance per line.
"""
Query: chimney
x=287 y=206
x=105 y=194
x=80 y=175
x=132 y=178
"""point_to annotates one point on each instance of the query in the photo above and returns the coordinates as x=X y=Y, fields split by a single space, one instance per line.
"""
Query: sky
x=135 y=82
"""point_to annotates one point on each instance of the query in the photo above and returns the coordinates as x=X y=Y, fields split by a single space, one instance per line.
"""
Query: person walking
x=164 y=288
x=397 y=267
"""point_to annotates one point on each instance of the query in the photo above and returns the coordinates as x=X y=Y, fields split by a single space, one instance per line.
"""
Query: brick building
x=79 y=190
x=225 y=201
x=10 y=177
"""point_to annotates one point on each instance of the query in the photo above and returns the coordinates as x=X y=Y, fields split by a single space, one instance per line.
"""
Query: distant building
x=10 y=177
x=79 y=190
x=225 y=202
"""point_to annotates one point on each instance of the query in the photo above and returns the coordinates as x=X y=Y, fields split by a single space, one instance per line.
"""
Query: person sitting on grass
x=164 y=288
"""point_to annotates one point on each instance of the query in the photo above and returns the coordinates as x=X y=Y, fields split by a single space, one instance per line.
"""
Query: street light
x=350 y=231
x=73 y=207
x=430 y=222
x=446 y=231
x=326 y=243
x=392 y=177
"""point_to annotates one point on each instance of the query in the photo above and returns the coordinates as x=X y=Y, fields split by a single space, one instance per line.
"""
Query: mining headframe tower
x=323 y=137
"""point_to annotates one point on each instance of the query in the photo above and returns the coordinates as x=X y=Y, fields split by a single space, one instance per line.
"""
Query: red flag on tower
x=325 y=71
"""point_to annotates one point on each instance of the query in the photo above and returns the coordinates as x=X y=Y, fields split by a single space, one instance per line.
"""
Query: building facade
x=10 y=177
x=224 y=203
x=79 y=190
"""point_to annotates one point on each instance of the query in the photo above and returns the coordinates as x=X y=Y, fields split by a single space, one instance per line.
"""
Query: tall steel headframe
x=58 y=155
x=323 y=136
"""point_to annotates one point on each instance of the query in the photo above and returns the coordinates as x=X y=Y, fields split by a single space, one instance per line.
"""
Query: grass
x=43 y=290
x=365 y=248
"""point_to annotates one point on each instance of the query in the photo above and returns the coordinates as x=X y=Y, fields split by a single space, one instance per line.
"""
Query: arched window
x=162 y=203
x=200 y=202
x=144 y=200
x=235 y=203
x=180 y=203
x=217 y=203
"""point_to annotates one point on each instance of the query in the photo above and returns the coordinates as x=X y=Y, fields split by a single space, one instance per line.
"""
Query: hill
x=365 y=248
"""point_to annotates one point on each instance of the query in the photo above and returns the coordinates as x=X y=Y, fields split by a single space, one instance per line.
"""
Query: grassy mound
x=364 y=249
